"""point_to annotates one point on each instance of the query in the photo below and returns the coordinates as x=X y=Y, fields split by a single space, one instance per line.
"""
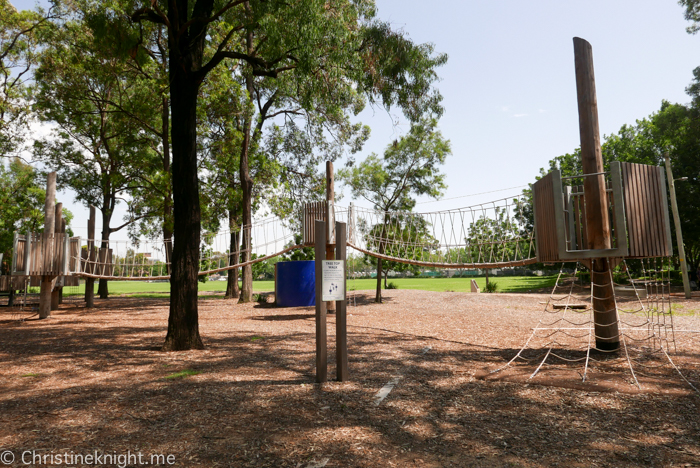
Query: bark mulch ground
x=94 y=381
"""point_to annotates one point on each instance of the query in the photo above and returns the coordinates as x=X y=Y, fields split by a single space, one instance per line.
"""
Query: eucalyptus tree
x=98 y=150
x=20 y=34
x=410 y=167
x=139 y=52
x=340 y=39
x=22 y=200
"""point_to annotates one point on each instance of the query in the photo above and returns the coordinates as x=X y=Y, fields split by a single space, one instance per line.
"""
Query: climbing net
x=493 y=235
x=565 y=333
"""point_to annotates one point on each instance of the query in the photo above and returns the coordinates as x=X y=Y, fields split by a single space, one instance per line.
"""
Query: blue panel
x=296 y=284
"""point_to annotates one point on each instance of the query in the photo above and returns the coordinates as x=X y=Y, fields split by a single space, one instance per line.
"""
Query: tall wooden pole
x=58 y=221
x=597 y=216
x=330 y=198
x=341 y=316
x=677 y=223
x=90 y=282
x=321 y=332
x=49 y=227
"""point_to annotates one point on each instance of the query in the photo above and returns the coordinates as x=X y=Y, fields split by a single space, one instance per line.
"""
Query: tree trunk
x=247 y=195
x=183 y=321
x=168 y=199
x=102 y=288
x=232 y=289
x=386 y=277
x=378 y=295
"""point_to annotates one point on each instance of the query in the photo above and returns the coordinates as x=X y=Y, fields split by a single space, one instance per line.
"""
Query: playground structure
x=608 y=217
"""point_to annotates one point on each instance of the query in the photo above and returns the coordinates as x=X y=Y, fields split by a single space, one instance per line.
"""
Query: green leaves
x=410 y=167
x=22 y=201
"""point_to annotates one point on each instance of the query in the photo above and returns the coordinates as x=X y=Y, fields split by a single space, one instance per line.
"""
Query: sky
x=509 y=85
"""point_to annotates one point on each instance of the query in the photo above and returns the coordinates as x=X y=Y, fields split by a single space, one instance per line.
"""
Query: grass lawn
x=505 y=284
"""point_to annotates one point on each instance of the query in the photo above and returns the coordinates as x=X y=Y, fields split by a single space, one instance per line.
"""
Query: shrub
x=260 y=298
x=491 y=287
x=392 y=285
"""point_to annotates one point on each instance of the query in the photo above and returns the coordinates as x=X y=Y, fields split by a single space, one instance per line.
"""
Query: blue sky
x=509 y=85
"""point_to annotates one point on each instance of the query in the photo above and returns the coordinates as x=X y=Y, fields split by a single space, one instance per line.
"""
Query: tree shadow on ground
x=249 y=400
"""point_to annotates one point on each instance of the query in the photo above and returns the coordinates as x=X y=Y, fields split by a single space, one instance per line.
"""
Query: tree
x=409 y=168
x=268 y=39
x=20 y=33
x=22 y=201
x=22 y=196
x=98 y=150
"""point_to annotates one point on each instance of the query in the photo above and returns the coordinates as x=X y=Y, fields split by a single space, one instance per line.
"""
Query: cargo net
x=565 y=335
x=492 y=235
x=151 y=259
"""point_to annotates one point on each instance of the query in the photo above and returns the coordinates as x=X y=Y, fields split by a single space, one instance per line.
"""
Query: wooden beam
x=330 y=198
x=58 y=222
x=321 y=332
x=597 y=216
x=49 y=227
x=90 y=282
x=341 y=316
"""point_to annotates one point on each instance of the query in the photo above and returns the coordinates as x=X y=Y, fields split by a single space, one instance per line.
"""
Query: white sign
x=333 y=282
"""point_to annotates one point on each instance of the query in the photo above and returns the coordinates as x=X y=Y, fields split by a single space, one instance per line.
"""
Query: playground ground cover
x=505 y=284
x=95 y=380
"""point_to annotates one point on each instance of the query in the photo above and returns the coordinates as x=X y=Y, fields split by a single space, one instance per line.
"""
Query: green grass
x=182 y=374
x=162 y=289
x=513 y=284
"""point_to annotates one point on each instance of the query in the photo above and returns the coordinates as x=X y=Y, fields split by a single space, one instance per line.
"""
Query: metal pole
x=677 y=222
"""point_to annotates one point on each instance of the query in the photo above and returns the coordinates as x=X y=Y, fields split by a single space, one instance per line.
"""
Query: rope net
x=565 y=333
x=148 y=259
x=492 y=235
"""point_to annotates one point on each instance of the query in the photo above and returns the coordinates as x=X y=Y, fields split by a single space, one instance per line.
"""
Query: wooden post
x=330 y=198
x=90 y=282
x=341 y=316
x=49 y=227
x=597 y=216
x=58 y=221
x=321 y=333
x=677 y=223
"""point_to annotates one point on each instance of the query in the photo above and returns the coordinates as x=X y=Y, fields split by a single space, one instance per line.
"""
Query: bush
x=491 y=287
x=260 y=298
x=392 y=285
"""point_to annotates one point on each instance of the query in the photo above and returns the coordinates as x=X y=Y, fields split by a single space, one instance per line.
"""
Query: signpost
x=330 y=288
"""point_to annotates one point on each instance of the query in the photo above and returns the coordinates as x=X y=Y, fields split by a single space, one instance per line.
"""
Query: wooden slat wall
x=579 y=218
x=19 y=253
x=647 y=215
x=547 y=248
x=313 y=211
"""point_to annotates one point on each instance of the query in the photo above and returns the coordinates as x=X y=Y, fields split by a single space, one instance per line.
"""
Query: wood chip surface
x=91 y=380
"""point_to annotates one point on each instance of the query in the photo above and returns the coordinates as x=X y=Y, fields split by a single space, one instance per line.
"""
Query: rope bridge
x=489 y=235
